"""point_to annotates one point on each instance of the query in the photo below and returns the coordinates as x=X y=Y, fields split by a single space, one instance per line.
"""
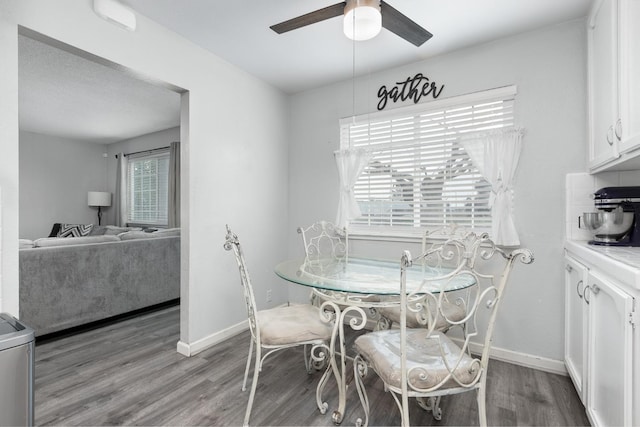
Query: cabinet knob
x=595 y=289
x=568 y=267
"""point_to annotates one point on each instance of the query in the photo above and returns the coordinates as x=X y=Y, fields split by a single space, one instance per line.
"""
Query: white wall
x=240 y=174
x=49 y=169
x=549 y=68
x=145 y=142
x=232 y=172
x=50 y=190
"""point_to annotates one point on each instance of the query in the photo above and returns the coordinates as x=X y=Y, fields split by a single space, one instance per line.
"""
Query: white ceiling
x=312 y=56
x=68 y=96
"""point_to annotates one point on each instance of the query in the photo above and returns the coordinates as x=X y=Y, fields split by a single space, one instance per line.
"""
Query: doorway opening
x=77 y=111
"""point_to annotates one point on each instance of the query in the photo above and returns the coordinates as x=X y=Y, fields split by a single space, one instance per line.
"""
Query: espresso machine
x=616 y=221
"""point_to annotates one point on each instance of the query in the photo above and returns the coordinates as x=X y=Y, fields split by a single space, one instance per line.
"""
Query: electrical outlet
x=268 y=295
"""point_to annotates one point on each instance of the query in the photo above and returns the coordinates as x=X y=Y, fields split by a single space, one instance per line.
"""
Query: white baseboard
x=213 y=339
x=522 y=359
x=202 y=344
x=528 y=360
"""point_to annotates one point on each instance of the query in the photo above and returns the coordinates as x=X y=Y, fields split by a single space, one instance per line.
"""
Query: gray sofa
x=75 y=281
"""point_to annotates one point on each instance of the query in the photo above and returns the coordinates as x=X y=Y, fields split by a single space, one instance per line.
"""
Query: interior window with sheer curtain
x=420 y=177
x=147 y=189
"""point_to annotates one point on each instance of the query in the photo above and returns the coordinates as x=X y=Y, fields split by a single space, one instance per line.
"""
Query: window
x=147 y=189
x=420 y=176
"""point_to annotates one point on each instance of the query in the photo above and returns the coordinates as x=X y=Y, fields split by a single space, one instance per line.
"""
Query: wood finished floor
x=130 y=374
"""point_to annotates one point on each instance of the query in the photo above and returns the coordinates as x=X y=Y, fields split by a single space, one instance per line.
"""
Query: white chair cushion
x=292 y=324
x=382 y=350
x=452 y=312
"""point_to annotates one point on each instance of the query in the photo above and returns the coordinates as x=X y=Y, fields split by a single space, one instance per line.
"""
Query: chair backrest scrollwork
x=324 y=240
x=471 y=257
x=232 y=243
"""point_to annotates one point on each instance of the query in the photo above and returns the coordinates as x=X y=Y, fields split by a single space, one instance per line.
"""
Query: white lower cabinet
x=610 y=339
x=600 y=343
x=575 y=325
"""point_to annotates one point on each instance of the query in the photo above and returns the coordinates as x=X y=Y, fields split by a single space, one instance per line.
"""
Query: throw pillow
x=113 y=230
x=55 y=230
x=98 y=230
x=25 y=244
x=74 y=230
x=136 y=234
x=167 y=232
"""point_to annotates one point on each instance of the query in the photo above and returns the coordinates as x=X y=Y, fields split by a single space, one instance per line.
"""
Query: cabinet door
x=628 y=129
x=603 y=84
x=575 y=325
x=609 y=394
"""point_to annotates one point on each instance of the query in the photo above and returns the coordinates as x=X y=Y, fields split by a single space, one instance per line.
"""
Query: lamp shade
x=99 y=198
x=362 y=19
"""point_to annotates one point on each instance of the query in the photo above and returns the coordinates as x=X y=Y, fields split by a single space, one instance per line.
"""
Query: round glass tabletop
x=371 y=276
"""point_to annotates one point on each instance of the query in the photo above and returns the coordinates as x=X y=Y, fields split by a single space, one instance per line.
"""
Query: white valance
x=495 y=154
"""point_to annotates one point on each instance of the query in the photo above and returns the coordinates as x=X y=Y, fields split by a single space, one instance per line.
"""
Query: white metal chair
x=278 y=328
x=425 y=363
x=324 y=240
x=450 y=312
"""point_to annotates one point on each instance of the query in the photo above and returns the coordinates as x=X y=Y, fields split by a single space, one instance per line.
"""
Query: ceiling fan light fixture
x=362 y=19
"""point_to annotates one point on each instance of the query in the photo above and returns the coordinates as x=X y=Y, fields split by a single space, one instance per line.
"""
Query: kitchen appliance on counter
x=617 y=219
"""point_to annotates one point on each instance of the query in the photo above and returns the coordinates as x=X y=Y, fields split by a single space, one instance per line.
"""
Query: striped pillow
x=74 y=230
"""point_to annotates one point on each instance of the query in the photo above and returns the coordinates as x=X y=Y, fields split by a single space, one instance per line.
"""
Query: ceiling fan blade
x=404 y=27
x=310 y=18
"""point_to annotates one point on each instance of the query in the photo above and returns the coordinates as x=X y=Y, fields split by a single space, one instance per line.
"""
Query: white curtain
x=351 y=163
x=121 y=191
x=496 y=154
x=174 y=185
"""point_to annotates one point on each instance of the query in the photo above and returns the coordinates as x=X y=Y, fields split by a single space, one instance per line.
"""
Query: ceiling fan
x=362 y=21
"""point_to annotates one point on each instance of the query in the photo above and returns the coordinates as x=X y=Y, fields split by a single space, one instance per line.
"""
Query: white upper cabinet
x=603 y=104
x=614 y=83
x=629 y=75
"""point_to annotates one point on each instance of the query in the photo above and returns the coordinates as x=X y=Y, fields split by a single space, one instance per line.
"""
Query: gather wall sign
x=412 y=88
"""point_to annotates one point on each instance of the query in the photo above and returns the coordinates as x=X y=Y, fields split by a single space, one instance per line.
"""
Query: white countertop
x=620 y=262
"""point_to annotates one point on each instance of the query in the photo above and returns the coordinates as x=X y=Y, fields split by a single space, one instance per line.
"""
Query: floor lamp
x=99 y=199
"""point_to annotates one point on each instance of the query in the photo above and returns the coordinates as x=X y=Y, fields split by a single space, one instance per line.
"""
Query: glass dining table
x=367 y=276
x=352 y=286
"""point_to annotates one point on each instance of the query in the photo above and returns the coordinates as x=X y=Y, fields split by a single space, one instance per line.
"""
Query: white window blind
x=420 y=177
x=148 y=187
